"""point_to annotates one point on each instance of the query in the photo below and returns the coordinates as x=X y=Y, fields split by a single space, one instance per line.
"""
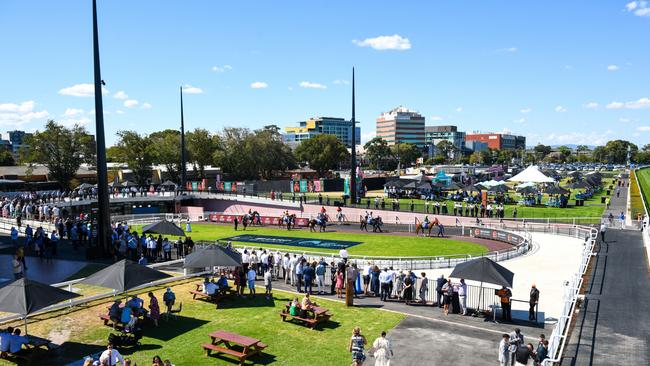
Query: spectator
x=448 y=293
x=209 y=287
x=462 y=296
x=16 y=343
x=383 y=350
x=321 y=268
x=534 y=299
x=407 y=293
x=356 y=347
x=439 y=283
x=504 y=350
x=603 y=229
x=169 y=298
x=523 y=354
x=308 y=273
x=542 y=351
x=115 y=311
x=267 y=283
x=154 y=308
x=505 y=294
x=385 y=280
x=339 y=284
x=251 y=280
x=17 y=267
x=157 y=361
x=111 y=356
x=424 y=288
x=143 y=260
x=516 y=341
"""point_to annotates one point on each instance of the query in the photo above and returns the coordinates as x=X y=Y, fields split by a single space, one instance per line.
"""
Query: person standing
x=462 y=296
x=267 y=283
x=516 y=342
x=385 y=279
x=383 y=351
x=504 y=350
x=424 y=288
x=534 y=299
x=603 y=229
x=17 y=267
x=339 y=284
x=505 y=294
x=321 y=268
x=356 y=347
x=439 y=283
x=251 y=280
x=235 y=222
x=154 y=308
x=448 y=293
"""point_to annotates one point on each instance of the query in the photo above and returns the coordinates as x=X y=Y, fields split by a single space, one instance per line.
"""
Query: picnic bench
x=117 y=326
x=34 y=344
x=221 y=293
x=319 y=315
x=232 y=344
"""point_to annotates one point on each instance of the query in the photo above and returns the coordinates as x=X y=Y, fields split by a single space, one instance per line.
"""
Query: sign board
x=296 y=242
x=498 y=235
x=266 y=220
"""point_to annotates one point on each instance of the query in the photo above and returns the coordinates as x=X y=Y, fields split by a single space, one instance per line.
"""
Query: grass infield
x=372 y=244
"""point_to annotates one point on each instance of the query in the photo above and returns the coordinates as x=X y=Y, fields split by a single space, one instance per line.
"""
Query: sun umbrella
x=127 y=183
x=25 y=296
x=85 y=186
x=213 y=256
x=394 y=183
x=471 y=188
x=163 y=227
x=484 y=270
x=527 y=190
x=501 y=188
x=451 y=187
x=168 y=183
x=124 y=275
x=411 y=185
x=556 y=190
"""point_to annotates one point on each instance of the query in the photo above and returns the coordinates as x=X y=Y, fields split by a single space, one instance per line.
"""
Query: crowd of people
x=514 y=351
x=111 y=356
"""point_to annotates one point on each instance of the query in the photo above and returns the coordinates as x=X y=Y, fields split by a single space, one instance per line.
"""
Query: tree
x=322 y=152
x=406 y=153
x=167 y=147
x=6 y=159
x=445 y=149
x=541 y=151
x=565 y=152
x=616 y=151
x=599 y=154
x=61 y=149
x=276 y=156
x=137 y=152
x=201 y=146
x=487 y=156
x=529 y=158
x=475 y=158
x=377 y=152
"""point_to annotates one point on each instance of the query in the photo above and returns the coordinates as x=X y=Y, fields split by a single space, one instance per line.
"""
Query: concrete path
x=613 y=325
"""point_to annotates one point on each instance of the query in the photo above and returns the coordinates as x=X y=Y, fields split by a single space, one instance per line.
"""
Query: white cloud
x=290 y=88
x=71 y=112
x=81 y=90
x=509 y=49
x=259 y=85
x=381 y=43
x=591 y=105
x=131 y=103
x=612 y=67
x=189 y=89
x=16 y=115
x=436 y=118
x=525 y=110
x=560 y=109
x=638 y=8
x=579 y=138
x=624 y=120
x=638 y=104
x=120 y=95
x=641 y=103
x=70 y=122
x=568 y=67
x=519 y=121
x=146 y=106
x=119 y=111
x=643 y=128
x=459 y=109
x=310 y=85
x=338 y=82
x=365 y=137
x=615 y=105
x=223 y=68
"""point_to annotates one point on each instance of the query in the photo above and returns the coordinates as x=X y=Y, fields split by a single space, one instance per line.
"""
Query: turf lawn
x=372 y=244
x=643 y=176
x=80 y=332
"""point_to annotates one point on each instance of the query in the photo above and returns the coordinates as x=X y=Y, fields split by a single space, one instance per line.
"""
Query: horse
x=420 y=226
x=288 y=220
x=321 y=221
x=376 y=223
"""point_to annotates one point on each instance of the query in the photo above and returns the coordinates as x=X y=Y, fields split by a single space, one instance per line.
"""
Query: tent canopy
x=531 y=174
x=25 y=296
x=213 y=256
x=163 y=227
x=411 y=185
x=85 y=186
x=394 y=183
x=527 y=190
x=124 y=275
x=484 y=270
x=168 y=183
x=556 y=190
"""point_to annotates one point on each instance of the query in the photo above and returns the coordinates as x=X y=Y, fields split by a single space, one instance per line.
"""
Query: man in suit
x=534 y=299
x=439 y=283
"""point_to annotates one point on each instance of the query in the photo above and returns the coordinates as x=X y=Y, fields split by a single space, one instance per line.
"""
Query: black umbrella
x=394 y=183
x=163 y=227
x=484 y=270
x=85 y=186
x=25 y=296
x=556 y=190
x=168 y=183
x=425 y=186
x=471 y=188
x=411 y=185
x=501 y=188
x=124 y=275
x=527 y=190
x=213 y=256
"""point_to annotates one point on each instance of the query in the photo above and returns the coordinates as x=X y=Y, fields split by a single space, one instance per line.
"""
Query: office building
x=16 y=138
x=435 y=134
x=499 y=141
x=339 y=127
x=401 y=125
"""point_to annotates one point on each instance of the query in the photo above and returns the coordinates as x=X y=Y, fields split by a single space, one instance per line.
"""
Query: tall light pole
x=353 y=172
x=183 y=175
x=103 y=215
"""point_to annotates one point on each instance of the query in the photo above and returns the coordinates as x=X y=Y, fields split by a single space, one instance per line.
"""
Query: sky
x=558 y=72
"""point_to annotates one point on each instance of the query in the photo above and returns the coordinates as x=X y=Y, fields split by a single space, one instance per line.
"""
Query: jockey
x=322 y=209
x=425 y=223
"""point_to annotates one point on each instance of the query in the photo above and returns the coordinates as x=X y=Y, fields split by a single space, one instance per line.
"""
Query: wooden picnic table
x=319 y=315
x=239 y=346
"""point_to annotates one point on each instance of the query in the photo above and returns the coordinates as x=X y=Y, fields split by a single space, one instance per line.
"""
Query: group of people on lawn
x=133 y=309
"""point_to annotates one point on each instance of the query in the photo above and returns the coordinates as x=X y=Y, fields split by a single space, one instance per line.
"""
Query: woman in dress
x=154 y=309
x=382 y=350
x=407 y=293
x=357 y=343
x=339 y=284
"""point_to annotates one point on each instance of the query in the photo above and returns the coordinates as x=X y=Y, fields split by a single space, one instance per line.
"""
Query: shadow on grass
x=173 y=328
x=258 y=300
x=69 y=352
x=259 y=359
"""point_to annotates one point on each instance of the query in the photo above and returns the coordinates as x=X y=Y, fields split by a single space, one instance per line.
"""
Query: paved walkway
x=618 y=204
x=613 y=325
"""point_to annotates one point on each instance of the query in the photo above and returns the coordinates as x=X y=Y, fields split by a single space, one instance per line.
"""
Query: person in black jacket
x=439 y=283
x=534 y=299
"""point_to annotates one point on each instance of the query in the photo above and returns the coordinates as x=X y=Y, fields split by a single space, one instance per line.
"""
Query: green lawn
x=643 y=177
x=82 y=333
x=372 y=244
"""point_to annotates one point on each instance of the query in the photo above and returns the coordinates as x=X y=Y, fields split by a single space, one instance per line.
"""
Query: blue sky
x=556 y=71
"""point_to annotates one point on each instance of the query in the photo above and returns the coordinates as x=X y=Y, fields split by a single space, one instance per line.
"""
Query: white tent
x=524 y=185
x=532 y=174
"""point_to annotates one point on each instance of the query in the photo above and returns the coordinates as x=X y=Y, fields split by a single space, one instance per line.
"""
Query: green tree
x=322 y=152
x=201 y=145
x=6 y=159
x=541 y=151
x=137 y=152
x=475 y=158
x=565 y=152
x=61 y=149
x=616 y=151
x=599 y=154
x=276 y=156
x=445 y=149
x=529 y=158
x=167 y=147
x=407 y=153
x=378 y=153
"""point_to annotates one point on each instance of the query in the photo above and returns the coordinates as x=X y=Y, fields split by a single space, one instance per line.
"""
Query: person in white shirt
x=251 y=280
x=245 y=257
x=292 y=269
x=267 y=283
x=367 y=270
x=111 y=356
x=504 y=351
x=285 y=267
x=210 y=288
x=462 y=296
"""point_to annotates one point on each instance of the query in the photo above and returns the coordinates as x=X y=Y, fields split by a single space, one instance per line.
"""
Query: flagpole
x=353 y=158
x=183 y=175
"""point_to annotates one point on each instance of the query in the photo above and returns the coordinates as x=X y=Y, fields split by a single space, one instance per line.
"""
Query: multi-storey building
x=499 y=141
x=339 y=127
x=401 y=125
